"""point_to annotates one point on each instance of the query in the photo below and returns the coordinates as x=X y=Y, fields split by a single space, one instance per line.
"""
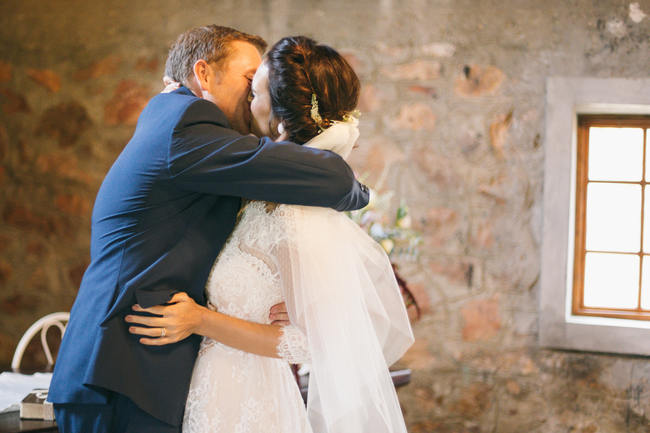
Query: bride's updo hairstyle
x=298 y=68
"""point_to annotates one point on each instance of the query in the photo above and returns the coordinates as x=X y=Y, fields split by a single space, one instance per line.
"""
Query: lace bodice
x=247 y=277
x=233 y=391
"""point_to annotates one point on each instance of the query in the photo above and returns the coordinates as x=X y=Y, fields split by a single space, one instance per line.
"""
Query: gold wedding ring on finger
x=162 y=332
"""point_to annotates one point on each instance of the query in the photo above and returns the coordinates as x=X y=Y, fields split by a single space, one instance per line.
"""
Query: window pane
x=613 y=217
x=615 y=154
x=611 y=280
x=645 y=284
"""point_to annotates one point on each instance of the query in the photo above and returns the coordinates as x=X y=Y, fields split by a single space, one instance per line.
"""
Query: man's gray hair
x=210 y=43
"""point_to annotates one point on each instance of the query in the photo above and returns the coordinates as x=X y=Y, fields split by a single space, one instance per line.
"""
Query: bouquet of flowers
x=395 y=235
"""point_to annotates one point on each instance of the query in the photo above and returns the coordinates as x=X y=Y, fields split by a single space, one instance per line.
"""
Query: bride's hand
x=279 y=315
x=282 y=137
x=170 y=84
x=177 y=321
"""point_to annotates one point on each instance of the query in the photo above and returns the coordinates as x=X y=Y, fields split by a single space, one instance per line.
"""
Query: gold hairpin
x=315 y=115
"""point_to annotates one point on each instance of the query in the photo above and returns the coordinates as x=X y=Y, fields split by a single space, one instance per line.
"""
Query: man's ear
x=201 y=74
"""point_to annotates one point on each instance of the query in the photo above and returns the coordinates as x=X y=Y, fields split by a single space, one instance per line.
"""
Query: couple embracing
x=218 y=258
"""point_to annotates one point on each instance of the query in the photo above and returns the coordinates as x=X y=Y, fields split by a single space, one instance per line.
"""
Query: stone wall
x=453 y=103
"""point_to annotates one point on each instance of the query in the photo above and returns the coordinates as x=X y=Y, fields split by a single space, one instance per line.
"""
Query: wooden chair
x=42 y=325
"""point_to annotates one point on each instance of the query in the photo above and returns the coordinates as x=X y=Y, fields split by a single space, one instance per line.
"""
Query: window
x=612 y=227
x=595 y=216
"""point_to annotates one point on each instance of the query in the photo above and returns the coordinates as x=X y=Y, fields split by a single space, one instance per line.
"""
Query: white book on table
x=35 y=406
x=15 y=386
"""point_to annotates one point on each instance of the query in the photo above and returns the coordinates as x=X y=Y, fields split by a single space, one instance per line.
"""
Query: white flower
x=377 y=231
x=404 y=222
x=387 y=245
x=370 y=217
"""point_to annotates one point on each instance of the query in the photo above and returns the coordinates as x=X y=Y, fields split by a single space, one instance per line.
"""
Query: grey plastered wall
x=566 y=98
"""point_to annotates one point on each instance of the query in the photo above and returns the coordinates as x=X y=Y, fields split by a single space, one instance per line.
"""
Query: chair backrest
x=43 y=325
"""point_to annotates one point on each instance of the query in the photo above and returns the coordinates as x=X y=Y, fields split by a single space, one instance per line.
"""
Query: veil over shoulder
x=341 y=291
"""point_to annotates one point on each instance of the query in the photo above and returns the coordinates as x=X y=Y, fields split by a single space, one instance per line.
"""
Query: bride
x=347 y=317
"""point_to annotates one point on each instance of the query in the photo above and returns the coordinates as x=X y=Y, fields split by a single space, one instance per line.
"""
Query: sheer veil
x=341 y=291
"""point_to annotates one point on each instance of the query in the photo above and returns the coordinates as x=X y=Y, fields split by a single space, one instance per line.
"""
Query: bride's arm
x=252 y=337
x=185 y=317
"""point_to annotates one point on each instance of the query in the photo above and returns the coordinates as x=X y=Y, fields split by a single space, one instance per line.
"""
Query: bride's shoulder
x=269 y=210
x=292 y=210
x=282 y=211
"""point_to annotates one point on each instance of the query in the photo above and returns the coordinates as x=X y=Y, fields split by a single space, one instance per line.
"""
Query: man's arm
x=208 y=157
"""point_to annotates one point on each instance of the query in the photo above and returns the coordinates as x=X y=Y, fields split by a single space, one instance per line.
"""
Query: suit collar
x=184 y=91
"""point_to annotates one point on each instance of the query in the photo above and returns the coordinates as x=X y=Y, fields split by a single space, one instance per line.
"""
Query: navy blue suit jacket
x=161 y=216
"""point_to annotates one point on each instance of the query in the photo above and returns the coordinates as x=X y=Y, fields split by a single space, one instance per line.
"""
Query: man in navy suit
x=161 y=217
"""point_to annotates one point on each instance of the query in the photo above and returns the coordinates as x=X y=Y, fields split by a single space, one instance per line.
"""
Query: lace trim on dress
x=293 y=346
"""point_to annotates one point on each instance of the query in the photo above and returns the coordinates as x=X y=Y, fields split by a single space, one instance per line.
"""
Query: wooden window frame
x=584 y=123
x=566 y=99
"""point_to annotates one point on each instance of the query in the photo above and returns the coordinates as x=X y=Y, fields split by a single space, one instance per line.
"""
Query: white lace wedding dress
x=234 y=391
x=348 y=321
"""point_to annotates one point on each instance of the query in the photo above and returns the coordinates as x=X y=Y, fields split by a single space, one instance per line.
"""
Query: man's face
x=230 y=83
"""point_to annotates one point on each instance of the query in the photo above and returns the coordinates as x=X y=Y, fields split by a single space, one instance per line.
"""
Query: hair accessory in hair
x=352 y=116
x=315 y=115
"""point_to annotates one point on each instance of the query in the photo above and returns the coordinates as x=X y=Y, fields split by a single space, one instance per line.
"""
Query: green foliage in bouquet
x=395 y=235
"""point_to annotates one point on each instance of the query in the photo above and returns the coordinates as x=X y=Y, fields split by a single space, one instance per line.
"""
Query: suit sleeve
x=207 y=156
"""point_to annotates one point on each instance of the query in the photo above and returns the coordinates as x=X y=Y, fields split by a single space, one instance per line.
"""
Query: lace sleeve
x=293 y=345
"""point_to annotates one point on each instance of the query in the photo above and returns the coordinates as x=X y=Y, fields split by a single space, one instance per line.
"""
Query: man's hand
x=170 y=84
x=177 y=321
x=279 y=315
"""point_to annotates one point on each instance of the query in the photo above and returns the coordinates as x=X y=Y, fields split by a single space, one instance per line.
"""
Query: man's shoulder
x=197 y=110
x=181 y=109
x=172 y=102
